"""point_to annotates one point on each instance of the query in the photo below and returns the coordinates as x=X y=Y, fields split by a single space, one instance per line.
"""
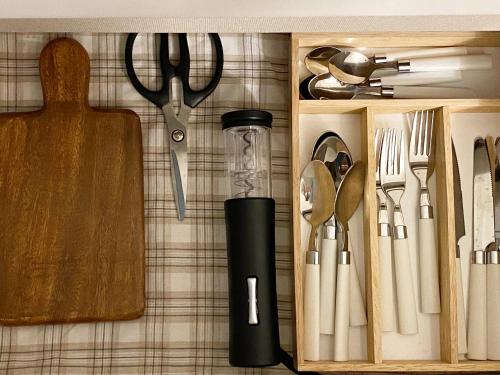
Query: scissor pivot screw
x=177 y=135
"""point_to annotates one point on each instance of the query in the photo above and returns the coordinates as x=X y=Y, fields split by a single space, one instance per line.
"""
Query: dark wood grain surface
x=71 y=203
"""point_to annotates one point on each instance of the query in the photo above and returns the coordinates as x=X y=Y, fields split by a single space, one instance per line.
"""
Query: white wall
x=238 y=8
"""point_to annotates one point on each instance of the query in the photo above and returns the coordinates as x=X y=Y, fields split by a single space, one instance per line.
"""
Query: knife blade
x=493 y=267
x=484 y=235
x=459 y=233
x=497 y=192
x=459 y=206
x=483 y=217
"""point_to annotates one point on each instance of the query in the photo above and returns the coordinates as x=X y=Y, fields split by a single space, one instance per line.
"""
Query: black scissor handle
x=158 y=97
x=161 y=97
x=194 y=97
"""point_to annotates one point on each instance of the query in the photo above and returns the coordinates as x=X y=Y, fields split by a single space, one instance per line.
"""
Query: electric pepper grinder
x=249 y=209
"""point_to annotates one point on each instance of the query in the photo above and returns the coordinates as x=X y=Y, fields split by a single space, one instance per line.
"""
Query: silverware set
x=393 y=241
x=331 y=190
x=339 y=74
x=483 y=334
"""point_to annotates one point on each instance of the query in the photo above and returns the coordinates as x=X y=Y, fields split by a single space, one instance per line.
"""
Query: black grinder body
x=254 y=338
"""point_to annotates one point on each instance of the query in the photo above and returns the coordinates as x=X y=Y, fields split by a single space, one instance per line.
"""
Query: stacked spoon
x=338 y=74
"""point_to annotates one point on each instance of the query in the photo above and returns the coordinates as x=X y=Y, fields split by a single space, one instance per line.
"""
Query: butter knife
x=459 y=233
x=493 y=272
x=484 y=235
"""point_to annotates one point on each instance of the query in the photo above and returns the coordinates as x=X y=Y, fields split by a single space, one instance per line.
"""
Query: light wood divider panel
x=370 y=228
x=398 y=39
x=446 y=236
x=295 y=183
x=401 y=367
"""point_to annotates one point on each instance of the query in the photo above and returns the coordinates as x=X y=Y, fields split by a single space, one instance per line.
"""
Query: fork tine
x=401 y=169
x=426 y=132
x=390 y=155
x=378 y=145
x=396 y=152
x=384 y=152
x=421 y=139
x=413 y=133
x=431 y=133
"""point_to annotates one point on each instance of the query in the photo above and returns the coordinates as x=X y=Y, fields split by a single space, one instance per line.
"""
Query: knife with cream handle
x=459 y=233
x=484 y=236
x=493 y=271
x=357 y=310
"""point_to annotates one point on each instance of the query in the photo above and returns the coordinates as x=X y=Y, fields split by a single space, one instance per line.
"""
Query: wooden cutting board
x=71 y=203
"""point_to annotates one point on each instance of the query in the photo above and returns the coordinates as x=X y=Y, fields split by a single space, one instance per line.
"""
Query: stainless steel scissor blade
x=189 y=99
x=177 y=138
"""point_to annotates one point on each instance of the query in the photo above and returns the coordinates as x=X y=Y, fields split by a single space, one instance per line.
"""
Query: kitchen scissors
x=176 y=121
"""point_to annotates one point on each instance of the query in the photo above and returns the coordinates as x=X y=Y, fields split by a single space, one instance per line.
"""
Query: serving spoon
x=331 y=150
x=316 y=204
x=355 y=68
x=317 y=60
x=325 y=86
x=347 y=201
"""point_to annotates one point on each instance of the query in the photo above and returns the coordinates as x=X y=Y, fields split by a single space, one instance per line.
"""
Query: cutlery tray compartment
x=435 y=347
x=349 y=128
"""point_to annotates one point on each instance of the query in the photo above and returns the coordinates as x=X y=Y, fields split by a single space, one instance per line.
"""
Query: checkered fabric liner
x=185 y=326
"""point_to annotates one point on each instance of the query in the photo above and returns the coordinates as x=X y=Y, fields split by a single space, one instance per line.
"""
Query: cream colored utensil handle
x=424 y=52
x=419 y=78
x=386 y=285
x=429 y=274
x=311 y=312
x=422 y=92
x=462 y=326
x=435 y=64
x=341 y=337
x=407 y=309
x=328 y=272
x=357 y=311
x=477 y=329
x=493 y=314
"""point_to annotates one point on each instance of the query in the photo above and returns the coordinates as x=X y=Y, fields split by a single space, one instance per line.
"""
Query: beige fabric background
x=269 y=24
x=185 y=326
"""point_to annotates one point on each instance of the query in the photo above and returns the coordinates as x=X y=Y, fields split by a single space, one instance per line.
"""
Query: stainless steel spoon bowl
x=355 y=68
x=333 y=152
x=320 y=84
x=325 y=86
x=304 y=88
x=316 y=205
x=316 y=192
x=317 y=60
x=350 y=193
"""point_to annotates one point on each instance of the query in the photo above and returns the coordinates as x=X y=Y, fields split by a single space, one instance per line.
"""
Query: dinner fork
x=421 y=160
x=384 y=246
x=393 y=180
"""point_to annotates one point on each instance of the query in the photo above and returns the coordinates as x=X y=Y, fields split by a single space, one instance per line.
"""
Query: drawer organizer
x=435 y=347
